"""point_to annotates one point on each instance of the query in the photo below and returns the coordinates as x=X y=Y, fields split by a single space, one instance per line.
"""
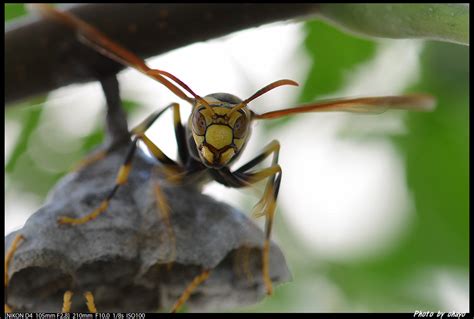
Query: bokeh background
x=373 y=212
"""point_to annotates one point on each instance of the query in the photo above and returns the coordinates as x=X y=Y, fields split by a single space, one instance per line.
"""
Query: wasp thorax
x=218 y=131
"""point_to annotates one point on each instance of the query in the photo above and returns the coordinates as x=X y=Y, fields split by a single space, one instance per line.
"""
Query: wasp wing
x=414 y=102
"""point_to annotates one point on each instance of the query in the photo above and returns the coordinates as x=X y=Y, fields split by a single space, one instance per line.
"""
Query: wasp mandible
x=216 y=134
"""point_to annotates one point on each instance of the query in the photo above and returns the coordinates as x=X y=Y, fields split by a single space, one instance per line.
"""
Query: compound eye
x=240 y=127
x=199 y=123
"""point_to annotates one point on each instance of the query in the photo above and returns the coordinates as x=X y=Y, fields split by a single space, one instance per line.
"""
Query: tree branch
x=42 y=55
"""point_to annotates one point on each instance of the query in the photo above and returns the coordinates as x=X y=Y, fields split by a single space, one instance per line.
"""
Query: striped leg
x=120 y=180
x=199 y=279
x=8 y=258
x=173 y=171
x=267 y=204
x=124 y=171
x=89 y=301
x=180 y=134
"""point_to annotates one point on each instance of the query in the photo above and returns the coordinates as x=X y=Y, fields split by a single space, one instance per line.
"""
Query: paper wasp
x=215 y=136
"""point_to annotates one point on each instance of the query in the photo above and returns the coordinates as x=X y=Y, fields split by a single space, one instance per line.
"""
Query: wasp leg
x=90 y=302
x=140 y=130
x=121 y=179
x=173 y=171
x=199 y=279
x=124 y=171
x=179 y=131
x=8 y=258
x=67 y=301
x=267 y=205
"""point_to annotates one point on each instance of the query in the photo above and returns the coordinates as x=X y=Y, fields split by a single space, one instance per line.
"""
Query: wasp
x=215 y=135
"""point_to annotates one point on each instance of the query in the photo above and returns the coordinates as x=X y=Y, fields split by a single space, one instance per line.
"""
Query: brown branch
x=41 y=55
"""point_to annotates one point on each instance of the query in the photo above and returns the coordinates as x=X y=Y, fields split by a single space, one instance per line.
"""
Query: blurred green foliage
x=334 y=54
x=14 y=10
x=436 y=154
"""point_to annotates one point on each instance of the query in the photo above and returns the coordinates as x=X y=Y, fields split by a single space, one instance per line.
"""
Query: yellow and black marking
x=267 y=204
x=270 y=209
x=67 y=301
x=156 y=151
x=8 y=258
x=199 y=279
x=220 y=134
x=122 y=176
x=140 y=130
x=121 y=179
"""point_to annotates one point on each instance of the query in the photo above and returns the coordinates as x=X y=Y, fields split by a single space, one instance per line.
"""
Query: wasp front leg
x=266 y=206
x=199 y=279
x=124 y=171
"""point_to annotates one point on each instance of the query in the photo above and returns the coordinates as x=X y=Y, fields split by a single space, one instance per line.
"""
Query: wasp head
x=220 y=130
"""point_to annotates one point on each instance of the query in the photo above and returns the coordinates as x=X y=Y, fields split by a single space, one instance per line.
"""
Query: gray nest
x=123 y=256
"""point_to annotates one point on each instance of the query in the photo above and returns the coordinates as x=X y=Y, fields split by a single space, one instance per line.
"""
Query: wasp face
x=220 y=134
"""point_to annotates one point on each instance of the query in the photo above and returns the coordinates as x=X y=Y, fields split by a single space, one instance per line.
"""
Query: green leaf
x=444 y=22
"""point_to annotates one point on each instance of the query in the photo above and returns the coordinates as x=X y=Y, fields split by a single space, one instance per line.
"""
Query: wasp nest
x=123 y=257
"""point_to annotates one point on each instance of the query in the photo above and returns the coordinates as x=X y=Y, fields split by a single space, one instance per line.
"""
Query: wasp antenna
x=262 y=91
x=96 y=40
x=187 y=88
